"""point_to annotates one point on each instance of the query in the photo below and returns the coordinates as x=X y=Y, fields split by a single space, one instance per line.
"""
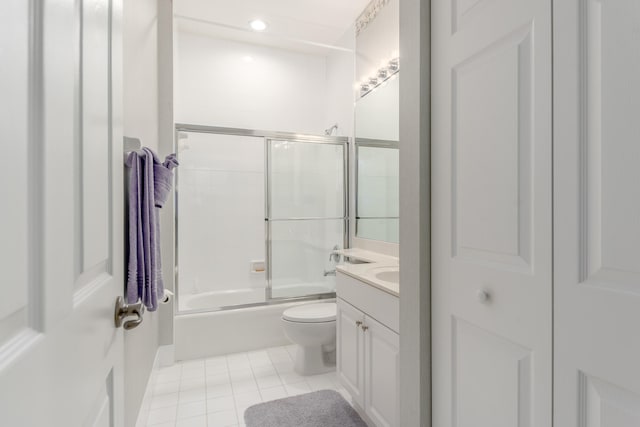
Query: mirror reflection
x=377 y=163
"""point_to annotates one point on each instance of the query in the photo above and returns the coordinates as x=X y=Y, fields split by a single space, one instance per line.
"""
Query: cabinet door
x=350 y=350
x=381 y=364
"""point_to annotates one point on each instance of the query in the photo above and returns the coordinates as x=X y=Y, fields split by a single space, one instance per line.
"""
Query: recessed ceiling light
x=258 y=25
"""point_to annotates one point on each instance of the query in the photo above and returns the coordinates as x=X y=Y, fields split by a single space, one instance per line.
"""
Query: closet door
x=597 y=213
x=491 y=213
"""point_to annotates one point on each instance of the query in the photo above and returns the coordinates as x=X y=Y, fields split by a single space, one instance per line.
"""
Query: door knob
x=483 y=295
x=123 y=311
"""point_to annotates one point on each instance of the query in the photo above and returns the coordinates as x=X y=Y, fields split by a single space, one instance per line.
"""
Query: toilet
x=313 y=328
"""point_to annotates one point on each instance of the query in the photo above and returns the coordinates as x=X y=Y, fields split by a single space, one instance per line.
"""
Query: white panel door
x=381 y=374
x=491 y=213
x=349 y=352
x=61 y=252
x=597 y=213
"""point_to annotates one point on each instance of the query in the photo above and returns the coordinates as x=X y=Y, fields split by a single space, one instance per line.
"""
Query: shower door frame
x=266 y=136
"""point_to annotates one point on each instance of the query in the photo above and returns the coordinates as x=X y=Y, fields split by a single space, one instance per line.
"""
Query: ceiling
x=313 y=26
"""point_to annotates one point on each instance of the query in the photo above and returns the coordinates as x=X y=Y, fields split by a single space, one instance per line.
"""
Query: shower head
x=330 y=130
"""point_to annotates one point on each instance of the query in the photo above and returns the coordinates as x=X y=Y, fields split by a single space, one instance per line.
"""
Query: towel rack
x=131 y=144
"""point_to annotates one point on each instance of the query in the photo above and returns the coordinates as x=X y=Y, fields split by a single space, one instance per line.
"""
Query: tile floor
x=215 y=392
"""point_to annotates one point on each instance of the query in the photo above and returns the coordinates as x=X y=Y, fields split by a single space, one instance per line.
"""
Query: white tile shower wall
x=234 y=84
x=306 y=180
x=220 y=212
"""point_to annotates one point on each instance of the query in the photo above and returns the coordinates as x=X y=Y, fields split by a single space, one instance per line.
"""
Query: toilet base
x=313 y=360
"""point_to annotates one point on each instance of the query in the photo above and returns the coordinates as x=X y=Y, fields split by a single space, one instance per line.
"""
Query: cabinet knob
x=364 y=328
x=483 y=295
x=358 y=323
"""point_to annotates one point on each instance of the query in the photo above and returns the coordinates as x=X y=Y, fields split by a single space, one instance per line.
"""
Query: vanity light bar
x=382 y=75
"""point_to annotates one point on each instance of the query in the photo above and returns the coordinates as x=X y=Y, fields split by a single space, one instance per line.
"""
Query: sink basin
x=391 y=276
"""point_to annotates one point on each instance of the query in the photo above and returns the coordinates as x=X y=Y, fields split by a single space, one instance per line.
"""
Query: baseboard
x=362 y=414
x=165 y=356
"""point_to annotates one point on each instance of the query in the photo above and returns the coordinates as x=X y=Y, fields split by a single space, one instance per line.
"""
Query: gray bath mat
x=324 y=408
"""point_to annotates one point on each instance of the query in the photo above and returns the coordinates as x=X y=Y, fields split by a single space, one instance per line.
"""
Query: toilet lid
x=311 y=313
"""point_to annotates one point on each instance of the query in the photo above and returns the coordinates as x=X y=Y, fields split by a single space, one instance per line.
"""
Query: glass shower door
x=305 y=215
x=220 y=227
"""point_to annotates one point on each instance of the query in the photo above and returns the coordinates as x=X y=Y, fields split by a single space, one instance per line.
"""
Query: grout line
x=255 y=379
x=233 y=393
x=206 y=399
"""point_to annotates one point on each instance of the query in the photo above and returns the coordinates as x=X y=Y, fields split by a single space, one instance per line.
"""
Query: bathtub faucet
x=329 y=273
x=334 y=255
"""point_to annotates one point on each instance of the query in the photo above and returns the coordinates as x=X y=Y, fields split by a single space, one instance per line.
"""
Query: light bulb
x=258 y=25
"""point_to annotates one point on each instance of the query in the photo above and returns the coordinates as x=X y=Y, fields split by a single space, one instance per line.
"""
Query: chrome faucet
x=334 y=256
x=329 y=273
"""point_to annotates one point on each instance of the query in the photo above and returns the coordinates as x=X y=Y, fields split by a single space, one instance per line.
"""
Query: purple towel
x=163 y=179
x=149 y=186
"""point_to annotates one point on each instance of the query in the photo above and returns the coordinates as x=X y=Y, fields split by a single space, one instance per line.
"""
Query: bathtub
x=206 y=334
x=216 y=299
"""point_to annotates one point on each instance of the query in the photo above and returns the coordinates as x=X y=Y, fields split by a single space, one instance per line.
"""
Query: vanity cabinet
x=368 y=350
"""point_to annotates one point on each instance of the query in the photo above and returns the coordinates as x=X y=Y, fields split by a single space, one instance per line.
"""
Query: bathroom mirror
x=377 y=163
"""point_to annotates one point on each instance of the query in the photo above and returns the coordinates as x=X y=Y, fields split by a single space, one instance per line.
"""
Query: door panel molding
x=481 y=358
x=603 y=404
x=21 y=310
x=500 y=196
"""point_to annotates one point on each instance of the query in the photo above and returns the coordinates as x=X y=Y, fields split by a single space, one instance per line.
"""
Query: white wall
x=233 y=84
x=415 y=304
x=339 y=85
x=141 y=121
x=166 y=136
x=378 y=114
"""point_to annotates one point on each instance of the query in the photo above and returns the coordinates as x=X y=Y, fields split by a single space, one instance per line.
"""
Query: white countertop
x=365 y=271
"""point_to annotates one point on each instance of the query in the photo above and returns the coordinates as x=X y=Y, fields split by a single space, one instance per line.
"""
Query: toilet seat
x=311 y=313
